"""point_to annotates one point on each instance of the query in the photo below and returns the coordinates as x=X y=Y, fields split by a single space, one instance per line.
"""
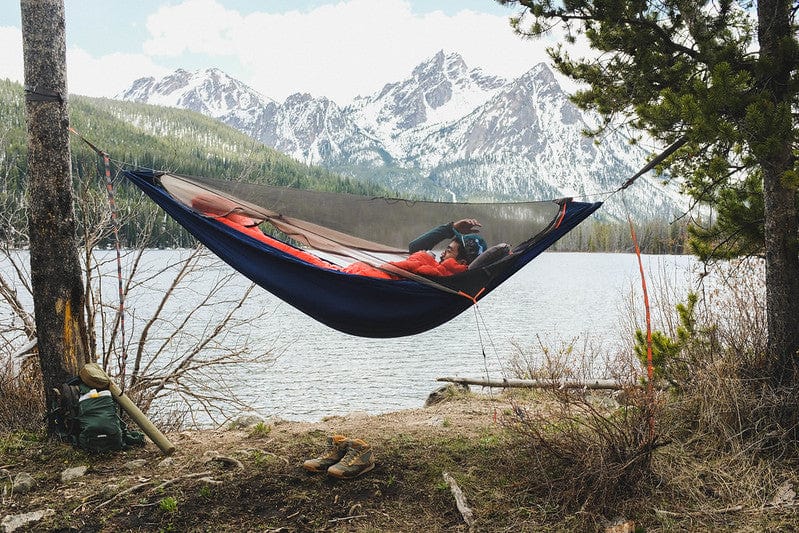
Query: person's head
x=464 y=248
x=472 y=245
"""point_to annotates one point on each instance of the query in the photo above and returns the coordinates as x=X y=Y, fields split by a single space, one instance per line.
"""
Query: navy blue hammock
x=355 y=304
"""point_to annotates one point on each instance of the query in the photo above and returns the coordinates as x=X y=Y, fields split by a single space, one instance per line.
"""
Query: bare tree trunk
x=55 y=266
x=778 y=57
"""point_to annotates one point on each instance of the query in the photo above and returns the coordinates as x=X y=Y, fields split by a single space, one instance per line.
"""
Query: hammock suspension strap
x=656 y=161
x=109 y=187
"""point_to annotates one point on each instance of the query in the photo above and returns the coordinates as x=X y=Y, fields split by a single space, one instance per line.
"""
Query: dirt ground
x=251 y=479
x=258 y=484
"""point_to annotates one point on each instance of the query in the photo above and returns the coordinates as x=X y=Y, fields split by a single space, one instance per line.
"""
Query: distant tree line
x=654 y=237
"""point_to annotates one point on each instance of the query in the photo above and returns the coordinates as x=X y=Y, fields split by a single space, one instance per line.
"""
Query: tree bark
x=55 y=265
x=778 y=57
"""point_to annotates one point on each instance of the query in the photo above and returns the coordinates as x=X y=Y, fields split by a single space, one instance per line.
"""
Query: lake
x=560 y=298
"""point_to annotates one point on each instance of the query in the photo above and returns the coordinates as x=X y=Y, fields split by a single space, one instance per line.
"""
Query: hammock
x=225 y=216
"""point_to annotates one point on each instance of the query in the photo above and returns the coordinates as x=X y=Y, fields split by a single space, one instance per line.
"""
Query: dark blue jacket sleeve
x=428 y=240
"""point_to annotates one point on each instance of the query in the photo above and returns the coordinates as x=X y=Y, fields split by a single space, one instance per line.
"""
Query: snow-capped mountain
x=528 y=136
x=439 y=91
x=210 y=92
x=316 y=131
x=446 y=131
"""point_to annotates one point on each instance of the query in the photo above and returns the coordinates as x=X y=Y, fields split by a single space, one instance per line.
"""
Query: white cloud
x=195 y=26
x=87 y=75
x=106 y=75
x=339 y=50
x=11 y=65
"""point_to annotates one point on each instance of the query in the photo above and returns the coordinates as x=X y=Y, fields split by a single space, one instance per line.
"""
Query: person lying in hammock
x=464 y=248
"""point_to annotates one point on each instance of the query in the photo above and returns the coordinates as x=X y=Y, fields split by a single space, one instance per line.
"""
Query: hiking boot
x=357 y=461
x=336 y=448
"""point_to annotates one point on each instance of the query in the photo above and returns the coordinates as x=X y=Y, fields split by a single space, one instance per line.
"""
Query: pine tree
x=723 y=75
x=55 y=268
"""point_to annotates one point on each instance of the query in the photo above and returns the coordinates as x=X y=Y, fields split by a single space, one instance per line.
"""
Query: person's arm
x=428 y=240
x=445 y=231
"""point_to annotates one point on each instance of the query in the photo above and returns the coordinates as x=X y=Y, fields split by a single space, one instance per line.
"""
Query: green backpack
x=88 y=418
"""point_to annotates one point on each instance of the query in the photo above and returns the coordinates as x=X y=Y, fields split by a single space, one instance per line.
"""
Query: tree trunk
x=55 y=266
x=778 y=57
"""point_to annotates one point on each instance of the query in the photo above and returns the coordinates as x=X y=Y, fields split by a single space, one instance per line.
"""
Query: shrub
x=594 y=452
x=21 y=395
x=721 y=415
x=714 y=357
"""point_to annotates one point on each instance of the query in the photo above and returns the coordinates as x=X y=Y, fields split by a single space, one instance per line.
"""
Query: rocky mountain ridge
x=446 y=131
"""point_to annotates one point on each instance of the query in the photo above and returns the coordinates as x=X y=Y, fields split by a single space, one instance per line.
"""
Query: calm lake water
x=558 y=298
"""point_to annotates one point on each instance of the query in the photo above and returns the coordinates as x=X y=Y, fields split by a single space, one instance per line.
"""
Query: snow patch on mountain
x=438 y=91
x=210 y=92
x=446 y=131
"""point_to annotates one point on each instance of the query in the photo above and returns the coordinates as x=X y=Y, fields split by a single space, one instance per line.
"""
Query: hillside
x=152 y=137
x=163 y=138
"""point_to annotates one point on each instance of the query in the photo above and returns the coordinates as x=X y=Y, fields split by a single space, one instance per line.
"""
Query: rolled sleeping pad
x=93 y=375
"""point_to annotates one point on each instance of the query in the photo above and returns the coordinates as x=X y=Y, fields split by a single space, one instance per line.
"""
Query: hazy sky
x=336 y=49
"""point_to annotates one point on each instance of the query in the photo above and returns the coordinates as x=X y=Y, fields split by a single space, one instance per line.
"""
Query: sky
x=338 y=49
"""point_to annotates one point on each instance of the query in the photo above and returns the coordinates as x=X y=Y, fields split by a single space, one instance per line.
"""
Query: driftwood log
x=460 y=500
x=597 y=384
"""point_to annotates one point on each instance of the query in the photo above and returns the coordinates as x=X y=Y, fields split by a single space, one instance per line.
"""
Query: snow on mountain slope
x=445 y=131
x=210 y=92
x=438 y=91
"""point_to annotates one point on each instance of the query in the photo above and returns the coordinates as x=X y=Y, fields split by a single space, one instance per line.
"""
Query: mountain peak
x=540 y=72
x=438 y=90
x=210 y=91
x=443 y=128
x=451 y=64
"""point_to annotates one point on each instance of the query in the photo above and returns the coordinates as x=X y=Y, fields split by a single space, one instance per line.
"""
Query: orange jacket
x=425 y=263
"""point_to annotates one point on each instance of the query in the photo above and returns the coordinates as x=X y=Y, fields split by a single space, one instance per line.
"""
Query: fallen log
x=460 y=501
x=597 y=384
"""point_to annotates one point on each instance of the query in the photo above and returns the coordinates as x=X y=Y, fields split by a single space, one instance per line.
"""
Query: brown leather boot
x=358 y=460
x=336 y=449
